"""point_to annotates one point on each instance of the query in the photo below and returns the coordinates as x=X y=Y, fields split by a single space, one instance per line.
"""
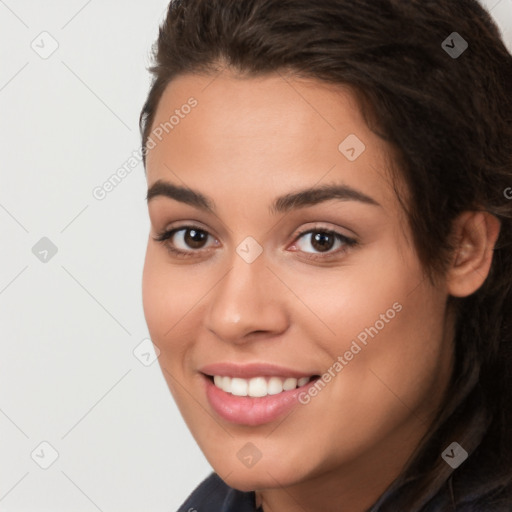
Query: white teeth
x=257 y=386
x=274 y=386
x=226 y=384
x=289 y=383
x=238 y=387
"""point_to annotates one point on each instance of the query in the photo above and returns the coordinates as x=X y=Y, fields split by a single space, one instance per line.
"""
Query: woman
x=328 y=273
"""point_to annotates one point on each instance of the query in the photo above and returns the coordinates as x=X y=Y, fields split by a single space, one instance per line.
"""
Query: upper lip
x=249 y=370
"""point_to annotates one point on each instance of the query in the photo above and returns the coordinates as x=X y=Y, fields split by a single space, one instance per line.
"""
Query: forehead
x=274 y=131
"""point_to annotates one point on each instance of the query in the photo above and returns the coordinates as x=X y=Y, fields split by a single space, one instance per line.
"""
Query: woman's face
x=276 y=286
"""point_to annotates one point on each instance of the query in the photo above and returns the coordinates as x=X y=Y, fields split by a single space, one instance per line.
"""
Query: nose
x=248 y=303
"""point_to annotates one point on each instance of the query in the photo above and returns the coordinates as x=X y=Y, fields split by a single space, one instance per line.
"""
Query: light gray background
x=69 y=326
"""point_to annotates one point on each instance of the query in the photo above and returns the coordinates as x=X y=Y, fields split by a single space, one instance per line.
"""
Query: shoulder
x=214 y=495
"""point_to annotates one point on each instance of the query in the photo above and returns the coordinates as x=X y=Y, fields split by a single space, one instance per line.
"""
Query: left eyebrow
x=292 y=201
x=316 y=195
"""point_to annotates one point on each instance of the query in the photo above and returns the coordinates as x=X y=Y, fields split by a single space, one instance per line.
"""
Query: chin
x=260 y=476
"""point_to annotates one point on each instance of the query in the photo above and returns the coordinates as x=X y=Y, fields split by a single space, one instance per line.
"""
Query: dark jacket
x=213 y=495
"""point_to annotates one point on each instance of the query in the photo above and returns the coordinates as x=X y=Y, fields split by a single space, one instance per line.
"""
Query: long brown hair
x=448 y=120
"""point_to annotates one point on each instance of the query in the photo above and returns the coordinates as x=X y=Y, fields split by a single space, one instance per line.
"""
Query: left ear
x=475 y=233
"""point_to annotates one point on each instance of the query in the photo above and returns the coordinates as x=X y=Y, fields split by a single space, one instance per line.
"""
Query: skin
x=246 y=142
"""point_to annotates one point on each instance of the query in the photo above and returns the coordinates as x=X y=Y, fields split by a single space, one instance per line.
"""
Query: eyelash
x=164 y=237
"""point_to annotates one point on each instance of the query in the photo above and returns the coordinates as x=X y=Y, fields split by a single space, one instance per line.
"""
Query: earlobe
x=475 y=233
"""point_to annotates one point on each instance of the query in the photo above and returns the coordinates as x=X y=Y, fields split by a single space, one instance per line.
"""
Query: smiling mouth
x=258 y=386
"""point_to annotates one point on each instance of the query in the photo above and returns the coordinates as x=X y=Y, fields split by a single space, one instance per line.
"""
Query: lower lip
x=246 y=410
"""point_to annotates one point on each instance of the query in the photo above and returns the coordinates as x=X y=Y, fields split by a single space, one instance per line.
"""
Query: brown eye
x=195 y=238
x=185 y=240
x=322 y=241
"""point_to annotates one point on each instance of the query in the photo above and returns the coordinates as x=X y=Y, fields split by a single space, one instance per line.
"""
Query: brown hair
x=448 y=121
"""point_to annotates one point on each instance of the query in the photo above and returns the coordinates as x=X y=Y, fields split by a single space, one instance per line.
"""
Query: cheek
x=396 y=358
x=154 y=291
x=166 y=300
x=387 y=323
x=166 y=297
x=345 y=302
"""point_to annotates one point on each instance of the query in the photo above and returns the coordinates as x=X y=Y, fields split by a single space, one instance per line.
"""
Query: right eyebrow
x=182 y=194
